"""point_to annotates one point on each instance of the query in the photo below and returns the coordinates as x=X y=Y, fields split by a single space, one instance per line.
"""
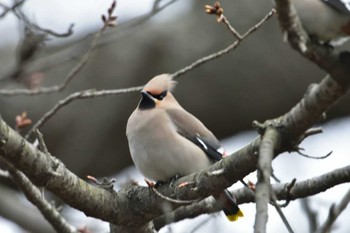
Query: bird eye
x=160 y=96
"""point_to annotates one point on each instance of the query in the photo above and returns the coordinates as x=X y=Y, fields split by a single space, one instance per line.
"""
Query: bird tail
x=229 y=205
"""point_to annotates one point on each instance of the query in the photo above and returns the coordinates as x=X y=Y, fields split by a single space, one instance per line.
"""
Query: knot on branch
x=261 y=127
x=216 y=9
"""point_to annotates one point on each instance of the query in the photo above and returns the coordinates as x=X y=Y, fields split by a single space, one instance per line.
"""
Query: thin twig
x=228 y=49
x=217 y=10
x=334 y=213
x=313 y=157
x=288 y=188
x=69 y=77
x=86 y=94
x=67 y=80
x=109 y=37
x=34 y=196
x=42 y=145
x=234 y=32
x=259 y=24
x=181 y=202
x=92 y=93
x=7 y=9
x=21 y=16
x=280 y=212
x=311 y=214
x=312 y=131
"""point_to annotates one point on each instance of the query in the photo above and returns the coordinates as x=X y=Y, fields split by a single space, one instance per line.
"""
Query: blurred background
x=263 y=78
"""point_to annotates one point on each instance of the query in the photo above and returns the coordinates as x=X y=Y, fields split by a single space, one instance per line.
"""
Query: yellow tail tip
x=234 y=217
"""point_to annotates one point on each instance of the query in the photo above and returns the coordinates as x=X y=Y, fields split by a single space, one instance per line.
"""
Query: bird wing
x=193 y=129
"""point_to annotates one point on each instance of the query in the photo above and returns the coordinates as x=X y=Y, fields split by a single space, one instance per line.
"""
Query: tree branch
x=26 y=216
x=300 y=189
x=34 y=196
x=226 y=50
x=72 y=73
x=115 y=208
x=139 y=203
x=269 y=144
x=335 y=63
x=86 y=94
x=310 y=214
x=93 y=93
x=334 y=213
x=7 y=9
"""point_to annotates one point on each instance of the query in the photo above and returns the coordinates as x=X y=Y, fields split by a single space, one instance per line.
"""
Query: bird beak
x=147 y=101
x=146 y=95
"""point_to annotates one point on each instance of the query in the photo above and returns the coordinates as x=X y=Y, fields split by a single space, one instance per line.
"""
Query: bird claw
x=151 y=184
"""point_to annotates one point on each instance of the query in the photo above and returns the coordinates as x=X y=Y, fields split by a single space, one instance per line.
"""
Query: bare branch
x=116 y=208
x=41 y=146
x=34 y=196
x=334 y=63
x=280 y=212
x=313 y=157
x=7 y=9
x=79 y=66
x=70 y=53
x=28 y=217
x=236 y=167
x=92 y=94
x=86 y=94
x=182 y=202
x=228 y=49
x=21 y=16
x=300 y=189
x=334 y=213
x=312 y=131
x=311 y=214
x=270 y=142
x=288 y=189
x=71 y=75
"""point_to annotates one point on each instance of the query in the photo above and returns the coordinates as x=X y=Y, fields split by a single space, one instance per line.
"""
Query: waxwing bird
x=166 y=141
x=326 y=20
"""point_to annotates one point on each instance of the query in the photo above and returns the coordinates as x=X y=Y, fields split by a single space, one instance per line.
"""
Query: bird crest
x=160 y=83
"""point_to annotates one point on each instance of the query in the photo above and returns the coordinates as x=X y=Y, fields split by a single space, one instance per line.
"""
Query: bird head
x=157 y=93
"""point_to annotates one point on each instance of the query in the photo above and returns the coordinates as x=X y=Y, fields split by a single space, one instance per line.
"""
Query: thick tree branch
x=300 y=189
x=47 y=171
x=139 y=203
x=34 y=195
x=102 y=204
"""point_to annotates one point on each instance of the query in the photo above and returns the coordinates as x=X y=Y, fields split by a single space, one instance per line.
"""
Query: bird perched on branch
x=326 y=20
x=166 y=141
